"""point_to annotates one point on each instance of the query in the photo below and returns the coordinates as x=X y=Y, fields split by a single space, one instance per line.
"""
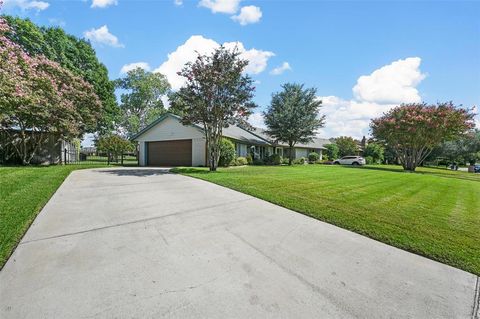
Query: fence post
x=65 y=152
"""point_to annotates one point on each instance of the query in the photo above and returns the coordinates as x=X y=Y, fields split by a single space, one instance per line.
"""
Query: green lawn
x=23 y=193
x=434 y=212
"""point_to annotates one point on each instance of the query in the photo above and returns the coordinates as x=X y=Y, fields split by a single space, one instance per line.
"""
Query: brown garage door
x=169 y=153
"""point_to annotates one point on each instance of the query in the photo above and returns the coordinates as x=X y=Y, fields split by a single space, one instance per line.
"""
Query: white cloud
x=393 y=83
x=476 y=111
x=248 y=15
x=178 y=2
x=103 y=3
x=197 y=44
x=221 y=6
x=280 y=69
x=256 y=120
x=27 y=4
x=132 y=66
x=257 y=59
x=374 y=94
x=103 y=37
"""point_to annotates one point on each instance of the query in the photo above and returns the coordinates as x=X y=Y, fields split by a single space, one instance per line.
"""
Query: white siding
x=198 y=151
x=171 y=129
x=141 y=153
x=301 y=152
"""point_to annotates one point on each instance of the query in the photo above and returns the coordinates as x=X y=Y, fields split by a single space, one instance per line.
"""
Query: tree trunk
x=212 y=151
x=24 y=148
x=409 y=166
x=290 y=155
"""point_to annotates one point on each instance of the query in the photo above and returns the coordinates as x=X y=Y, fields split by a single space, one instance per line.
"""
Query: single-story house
x=167 y=142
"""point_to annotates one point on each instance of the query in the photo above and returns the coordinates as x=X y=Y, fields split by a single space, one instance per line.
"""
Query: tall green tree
x=346 y=146
x=331 y=151
x=73 y=54
x=216 y=94
x=293 y=115
x=465 y=149
x=375 y=151
x=142 y=101
x=414 y=130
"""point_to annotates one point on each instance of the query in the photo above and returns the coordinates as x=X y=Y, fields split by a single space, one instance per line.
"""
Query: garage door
x=169 y=153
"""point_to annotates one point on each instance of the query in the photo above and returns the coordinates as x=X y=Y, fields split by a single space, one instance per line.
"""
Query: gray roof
x=242 y=135
x=317 y=143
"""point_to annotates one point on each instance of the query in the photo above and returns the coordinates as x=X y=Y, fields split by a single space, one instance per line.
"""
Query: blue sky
x=363 y=57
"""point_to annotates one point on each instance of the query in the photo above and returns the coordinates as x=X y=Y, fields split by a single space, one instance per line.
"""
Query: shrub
x=325 y=157
x=227 y=152
x=300 y=160
x=241 y=161
x=369 y=160
x=249 y=159
x=313 y=157
x=258 y=161
x=274 y=159
x=285 y=160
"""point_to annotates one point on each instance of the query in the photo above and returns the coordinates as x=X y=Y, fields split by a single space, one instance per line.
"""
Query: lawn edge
x=37 y=213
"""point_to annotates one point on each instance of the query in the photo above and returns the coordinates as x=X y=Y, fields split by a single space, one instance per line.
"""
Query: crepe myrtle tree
x=39 y=97
x=293 y=116
x=217 y=94
x=414 y=130
x=72 y=53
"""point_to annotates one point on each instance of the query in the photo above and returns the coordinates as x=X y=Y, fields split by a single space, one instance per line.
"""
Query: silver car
x=350 y=160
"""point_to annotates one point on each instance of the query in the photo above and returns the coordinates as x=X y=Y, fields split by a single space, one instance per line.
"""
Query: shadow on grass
x=137 y=172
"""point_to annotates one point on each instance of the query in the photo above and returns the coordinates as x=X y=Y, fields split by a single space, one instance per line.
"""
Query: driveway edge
x=476 y=301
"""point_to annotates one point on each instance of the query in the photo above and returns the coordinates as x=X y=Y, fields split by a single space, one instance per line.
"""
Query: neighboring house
x=167 y=142
x=52 y=150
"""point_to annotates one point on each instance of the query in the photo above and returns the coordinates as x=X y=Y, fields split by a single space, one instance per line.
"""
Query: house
x=167 y=142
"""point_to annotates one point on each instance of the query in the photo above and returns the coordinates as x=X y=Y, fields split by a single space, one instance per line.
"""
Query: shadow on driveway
x=137 y=172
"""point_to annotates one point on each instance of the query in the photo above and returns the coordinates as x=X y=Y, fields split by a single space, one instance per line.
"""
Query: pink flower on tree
x=413 y=130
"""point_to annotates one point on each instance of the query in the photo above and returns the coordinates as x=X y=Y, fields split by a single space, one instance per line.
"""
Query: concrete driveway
x=142 y=243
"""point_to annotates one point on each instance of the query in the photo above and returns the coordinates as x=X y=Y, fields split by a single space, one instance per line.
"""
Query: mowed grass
x=434 y=212
x=23 y=193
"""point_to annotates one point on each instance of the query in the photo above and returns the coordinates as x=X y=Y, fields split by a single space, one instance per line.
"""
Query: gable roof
x=318 y=143
x=242 y=135
x=233 y=131
x=157 y=121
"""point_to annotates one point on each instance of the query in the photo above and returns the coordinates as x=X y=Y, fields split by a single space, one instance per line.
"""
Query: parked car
x=476 y=169
x=350 y=160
